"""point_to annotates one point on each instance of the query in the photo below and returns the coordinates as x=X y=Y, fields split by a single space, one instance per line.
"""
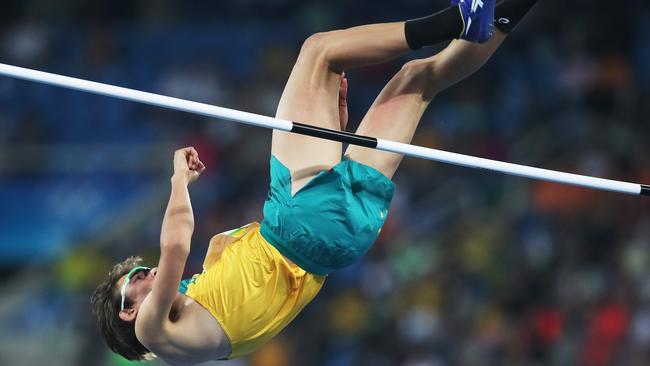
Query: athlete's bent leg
x=311 y=93
x=397 y=110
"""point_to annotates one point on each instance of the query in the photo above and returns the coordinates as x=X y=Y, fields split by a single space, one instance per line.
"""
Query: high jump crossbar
x=304 y=129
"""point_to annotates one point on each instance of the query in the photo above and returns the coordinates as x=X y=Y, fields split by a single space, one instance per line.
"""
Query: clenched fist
x=187 y=165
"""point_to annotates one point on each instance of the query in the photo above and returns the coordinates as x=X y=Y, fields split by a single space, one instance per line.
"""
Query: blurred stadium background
x=472 y=268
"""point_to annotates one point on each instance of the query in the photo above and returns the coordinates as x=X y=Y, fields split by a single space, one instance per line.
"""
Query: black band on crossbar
x=340 y=136
x=645 y=190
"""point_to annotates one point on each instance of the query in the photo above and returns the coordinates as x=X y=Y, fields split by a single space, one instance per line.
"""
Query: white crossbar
x=289 y=126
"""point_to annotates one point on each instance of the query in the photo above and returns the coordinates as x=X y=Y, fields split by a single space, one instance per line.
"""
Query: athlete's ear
x=128 y=315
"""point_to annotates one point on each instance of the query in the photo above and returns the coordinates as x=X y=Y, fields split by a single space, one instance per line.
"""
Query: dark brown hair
x=119 y=334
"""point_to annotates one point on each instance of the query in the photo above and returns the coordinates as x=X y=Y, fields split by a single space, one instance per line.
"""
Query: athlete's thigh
x=394 y=115
x=310 y=96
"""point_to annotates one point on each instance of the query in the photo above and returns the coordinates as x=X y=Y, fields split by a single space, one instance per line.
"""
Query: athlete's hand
x=343 y=103
x=187 y=165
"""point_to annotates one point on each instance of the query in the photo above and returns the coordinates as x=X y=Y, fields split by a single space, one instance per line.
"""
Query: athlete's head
x=116 y=302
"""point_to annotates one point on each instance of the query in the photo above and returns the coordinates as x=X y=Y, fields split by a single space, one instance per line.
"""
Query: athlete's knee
x=419 y=76
x=314 y=46
x=318 y=47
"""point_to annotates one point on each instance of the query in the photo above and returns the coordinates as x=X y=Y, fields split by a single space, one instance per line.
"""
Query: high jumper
x=324 y=209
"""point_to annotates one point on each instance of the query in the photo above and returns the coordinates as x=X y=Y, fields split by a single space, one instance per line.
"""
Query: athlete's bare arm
x=175 y=238
x=173 y=326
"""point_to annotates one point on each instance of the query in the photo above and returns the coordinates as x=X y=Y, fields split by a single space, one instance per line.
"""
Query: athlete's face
x=138 y=287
